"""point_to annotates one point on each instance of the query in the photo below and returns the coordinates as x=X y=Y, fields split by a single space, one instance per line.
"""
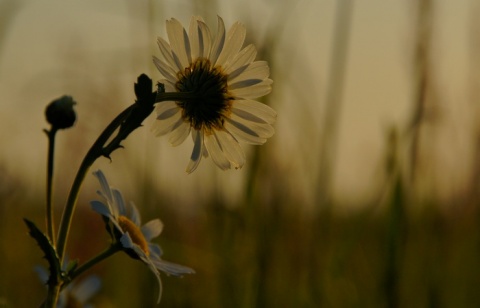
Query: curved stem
x=114 y=248
x=94 y=153
x=137 y=112
x=50 y=160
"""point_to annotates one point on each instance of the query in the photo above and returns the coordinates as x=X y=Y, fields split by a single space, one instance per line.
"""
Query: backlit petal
x=215 y=151
x=172 y=268
x=179 y=42
x=243 y=58
x=243 y=133
x=197 y=152
x=166 y=51
x=255 y=109
x=231 y=148
x=218 y=42
x=152 y=229
x=135 y=214
x=180 y=134
x=233 y=42
x=163 y=127
x=164 y=69
x=256 y=70
x=255 y=91
x=204 y=40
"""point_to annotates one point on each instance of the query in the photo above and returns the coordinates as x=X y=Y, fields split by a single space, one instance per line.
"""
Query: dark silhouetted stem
x=50 y=163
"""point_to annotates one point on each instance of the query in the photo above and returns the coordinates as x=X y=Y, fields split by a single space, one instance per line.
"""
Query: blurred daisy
x=219 y=81
x=75 y=294
x=125 y=227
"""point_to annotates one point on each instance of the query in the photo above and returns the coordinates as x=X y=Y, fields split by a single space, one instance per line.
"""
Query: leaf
x=49 y=251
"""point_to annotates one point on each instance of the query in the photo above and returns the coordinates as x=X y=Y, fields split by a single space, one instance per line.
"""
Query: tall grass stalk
x=333 y=98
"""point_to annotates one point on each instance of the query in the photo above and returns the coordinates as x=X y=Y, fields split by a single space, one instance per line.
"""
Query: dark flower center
x=210 y=101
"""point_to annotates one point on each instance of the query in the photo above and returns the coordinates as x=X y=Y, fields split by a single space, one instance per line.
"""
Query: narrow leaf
x=49 y=251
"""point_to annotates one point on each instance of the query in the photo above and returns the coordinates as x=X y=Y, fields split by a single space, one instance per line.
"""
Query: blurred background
x=366 y=196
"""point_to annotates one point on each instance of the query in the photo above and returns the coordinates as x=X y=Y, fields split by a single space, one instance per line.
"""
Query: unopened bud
x=60 y=112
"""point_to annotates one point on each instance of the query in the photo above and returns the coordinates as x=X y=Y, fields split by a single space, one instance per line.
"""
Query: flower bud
x=60 y=112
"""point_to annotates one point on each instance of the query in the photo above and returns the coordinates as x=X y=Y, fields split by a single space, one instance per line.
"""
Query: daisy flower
x=126 y=227
x=218 y=81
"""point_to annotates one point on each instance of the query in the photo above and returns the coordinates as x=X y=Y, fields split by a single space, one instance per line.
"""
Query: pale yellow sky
x=95 y=50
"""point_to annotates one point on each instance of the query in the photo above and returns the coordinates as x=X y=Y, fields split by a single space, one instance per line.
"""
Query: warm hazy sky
x=94 y=50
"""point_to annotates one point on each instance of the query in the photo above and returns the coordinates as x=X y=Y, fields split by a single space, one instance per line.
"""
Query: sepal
x=142 y=108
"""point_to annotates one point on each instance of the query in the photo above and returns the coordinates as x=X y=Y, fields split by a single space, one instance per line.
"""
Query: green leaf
x=49 y=251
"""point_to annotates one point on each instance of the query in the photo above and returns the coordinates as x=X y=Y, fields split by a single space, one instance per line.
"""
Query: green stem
x=137 y=111
x=49 y=215
x=94 y=153
x=52 y=297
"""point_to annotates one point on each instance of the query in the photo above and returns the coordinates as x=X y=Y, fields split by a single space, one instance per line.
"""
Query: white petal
x=101 y=208
x=244 y=83
x=155 y=249
x=218 y=42
x=151 y=266
x=171 y=268
x=197 y=152
x=204 y=40
x=263 y=130
x=135 y=214
x=242 y=59
x=215 y=151
x=255 y=108
x=107 y=193
x=256 y=70
x=164 y=69
x=162 y=127
x=231 y=149
x=243 y=133
x=161 y=107
x=152 y=229
x=119 y=203
x=166 y=51
x=179 y=41
x=233 y=43
x=193 y=35
x=254 y=91
x=248 y=116
x=167 y=110
x=180 y=134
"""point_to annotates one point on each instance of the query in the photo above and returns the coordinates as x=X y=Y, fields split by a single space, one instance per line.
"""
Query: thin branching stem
x=94 y=153
x=97 y=150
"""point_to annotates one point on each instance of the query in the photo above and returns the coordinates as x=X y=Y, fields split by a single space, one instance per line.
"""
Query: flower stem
x=52 y=297
x=175 y=96
x=127 y=121
x=50 y=160
x=95 y=152
x=114 y=248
